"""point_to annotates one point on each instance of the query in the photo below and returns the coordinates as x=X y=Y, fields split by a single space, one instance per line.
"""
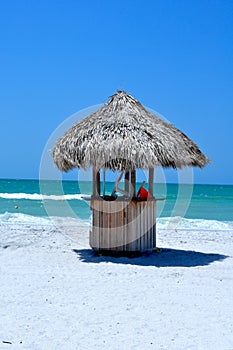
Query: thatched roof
x=123 y=135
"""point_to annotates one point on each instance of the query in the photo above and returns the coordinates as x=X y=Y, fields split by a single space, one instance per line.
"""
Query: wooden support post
x=98 y=183
x=95 y=182
x=127 y=181
x=133 y=181
x=151 y=181
x=104 y=181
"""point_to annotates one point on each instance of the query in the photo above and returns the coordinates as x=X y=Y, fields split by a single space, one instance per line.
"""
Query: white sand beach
x=55 y=294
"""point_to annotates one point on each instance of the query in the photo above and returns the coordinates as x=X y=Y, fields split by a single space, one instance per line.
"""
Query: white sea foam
x=25 y=219
x=192 y=224
x=20 y=218
x=162 y=222
x=40 y=197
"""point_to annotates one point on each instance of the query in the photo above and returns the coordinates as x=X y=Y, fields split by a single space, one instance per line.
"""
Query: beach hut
x=123 y=136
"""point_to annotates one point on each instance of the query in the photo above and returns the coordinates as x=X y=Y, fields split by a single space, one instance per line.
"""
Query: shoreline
x=86 y=225
x=162 y=223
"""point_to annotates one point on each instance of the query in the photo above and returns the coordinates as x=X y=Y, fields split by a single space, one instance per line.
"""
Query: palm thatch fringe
x=124 y=135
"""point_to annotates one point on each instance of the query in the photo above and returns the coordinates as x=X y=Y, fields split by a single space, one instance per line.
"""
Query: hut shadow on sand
x=165 y=258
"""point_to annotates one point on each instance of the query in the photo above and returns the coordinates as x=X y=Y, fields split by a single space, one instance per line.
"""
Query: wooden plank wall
x=123 y=226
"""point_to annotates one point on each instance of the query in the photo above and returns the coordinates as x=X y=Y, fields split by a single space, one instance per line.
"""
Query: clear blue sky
x=57 y=57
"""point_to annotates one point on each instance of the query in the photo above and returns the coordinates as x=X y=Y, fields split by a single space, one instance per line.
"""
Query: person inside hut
x=116 y=188
x=142 y=193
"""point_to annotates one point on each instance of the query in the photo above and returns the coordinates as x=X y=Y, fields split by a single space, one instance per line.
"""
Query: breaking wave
x=180 y=223
x=25 y=219
x=40 y=197
x=161 y=223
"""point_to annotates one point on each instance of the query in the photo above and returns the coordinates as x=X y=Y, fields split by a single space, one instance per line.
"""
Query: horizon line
x=70 y=180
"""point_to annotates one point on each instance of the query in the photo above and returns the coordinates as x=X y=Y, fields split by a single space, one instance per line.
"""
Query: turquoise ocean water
x=200 y=205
